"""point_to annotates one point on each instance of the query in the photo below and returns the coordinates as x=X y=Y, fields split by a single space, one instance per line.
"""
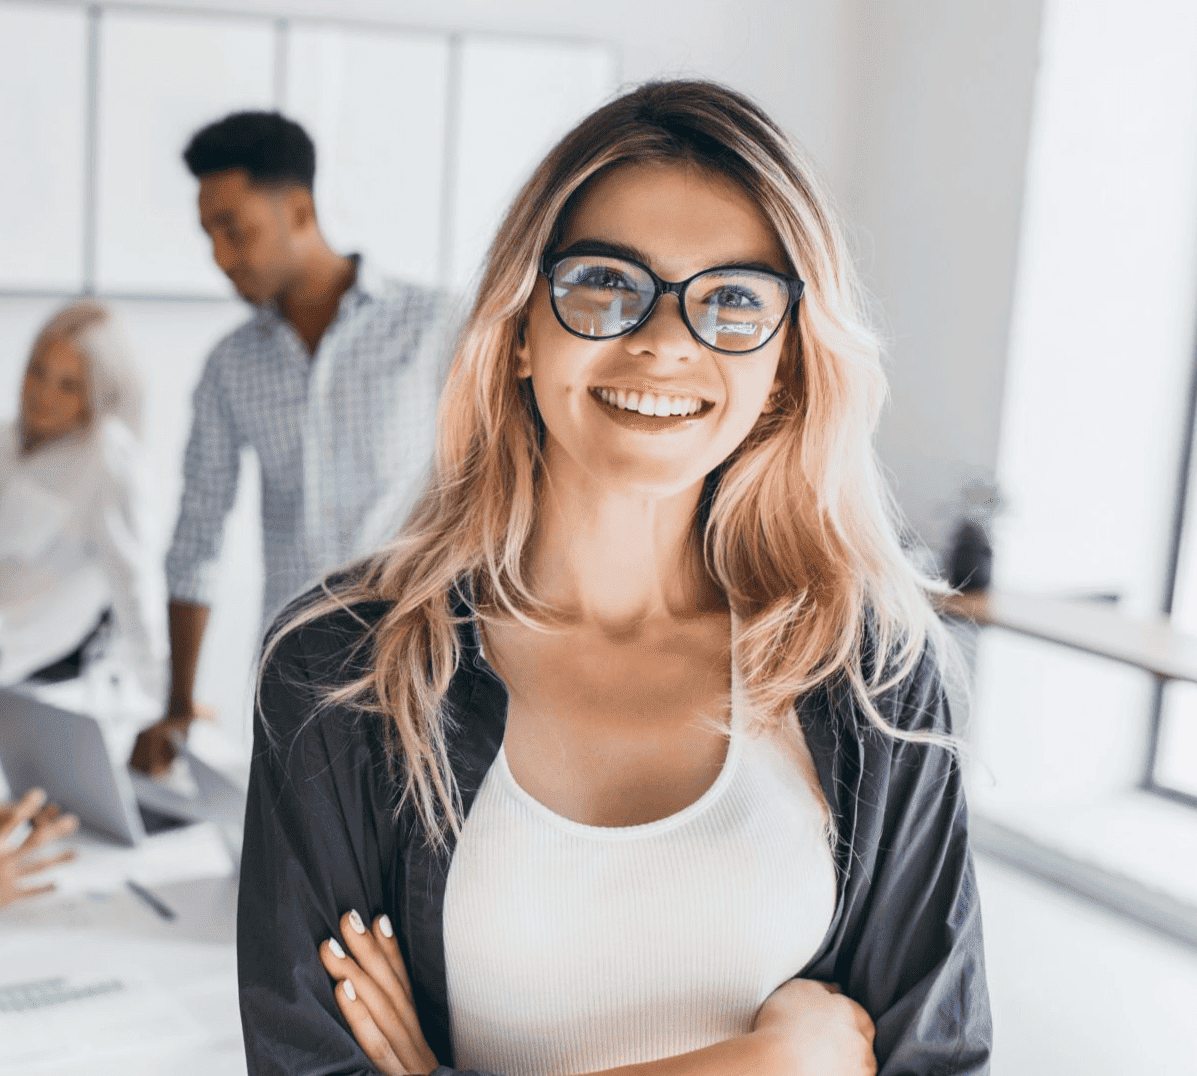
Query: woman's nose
x=665 y=333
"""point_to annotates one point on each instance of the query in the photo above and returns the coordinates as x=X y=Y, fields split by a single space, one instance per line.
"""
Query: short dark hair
x=270 y=147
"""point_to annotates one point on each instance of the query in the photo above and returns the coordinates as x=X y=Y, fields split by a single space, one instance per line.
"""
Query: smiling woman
x=632 y=744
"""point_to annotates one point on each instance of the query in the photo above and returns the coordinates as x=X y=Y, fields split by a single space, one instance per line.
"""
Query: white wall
x=937 y=168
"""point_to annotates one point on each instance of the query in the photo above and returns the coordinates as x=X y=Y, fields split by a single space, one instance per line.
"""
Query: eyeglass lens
x=600 y=297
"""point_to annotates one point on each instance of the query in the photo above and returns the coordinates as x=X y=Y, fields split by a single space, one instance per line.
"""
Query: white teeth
x=649 y=403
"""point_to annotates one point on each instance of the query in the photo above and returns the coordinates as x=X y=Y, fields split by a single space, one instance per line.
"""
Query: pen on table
x=152 y=899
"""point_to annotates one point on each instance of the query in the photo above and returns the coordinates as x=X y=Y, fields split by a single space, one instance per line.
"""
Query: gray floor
x=1077 y=991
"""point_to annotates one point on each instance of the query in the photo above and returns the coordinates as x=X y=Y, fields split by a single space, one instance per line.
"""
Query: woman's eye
x=735 y=297
x=599 y=276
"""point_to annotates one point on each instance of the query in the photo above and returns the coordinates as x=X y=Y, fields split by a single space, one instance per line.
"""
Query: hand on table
x=373 y=993
x=158 y=745
x=820 y=1031
x=18 y=862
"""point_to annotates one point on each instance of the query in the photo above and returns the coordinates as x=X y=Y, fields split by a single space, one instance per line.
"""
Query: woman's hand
x=818 y=1030
x=374 y=995
x=18 y=862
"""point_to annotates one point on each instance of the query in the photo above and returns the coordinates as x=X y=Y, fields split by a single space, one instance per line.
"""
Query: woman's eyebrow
x=622 y=250
x=605 y=246
x=759 y=266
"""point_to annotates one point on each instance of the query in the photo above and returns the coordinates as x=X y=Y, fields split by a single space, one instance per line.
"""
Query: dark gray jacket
x=320 y=838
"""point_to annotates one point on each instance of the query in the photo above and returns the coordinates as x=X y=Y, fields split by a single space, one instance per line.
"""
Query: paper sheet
x=128 y=1013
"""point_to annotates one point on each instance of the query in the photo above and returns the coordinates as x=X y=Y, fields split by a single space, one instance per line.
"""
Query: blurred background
x=1019 y=181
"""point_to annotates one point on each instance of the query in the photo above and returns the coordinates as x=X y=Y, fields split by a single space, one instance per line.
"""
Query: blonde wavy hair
x=797 y=526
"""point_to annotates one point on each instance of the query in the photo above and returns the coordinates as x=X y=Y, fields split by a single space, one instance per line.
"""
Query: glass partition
x=517 y=98
x=374 y=103
x=162 y=77
x=43 y=83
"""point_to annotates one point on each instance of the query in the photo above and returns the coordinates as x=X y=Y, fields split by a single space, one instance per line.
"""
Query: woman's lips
x=648 y=422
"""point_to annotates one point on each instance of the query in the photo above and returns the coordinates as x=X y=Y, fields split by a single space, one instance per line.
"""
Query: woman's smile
x=650 y=411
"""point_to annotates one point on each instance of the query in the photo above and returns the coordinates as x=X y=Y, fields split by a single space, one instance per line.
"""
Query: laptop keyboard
x=39 y=993
x=154 y=821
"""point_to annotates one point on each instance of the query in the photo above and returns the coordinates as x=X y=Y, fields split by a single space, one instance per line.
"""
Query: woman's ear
x=773 y=400
x=522 y=351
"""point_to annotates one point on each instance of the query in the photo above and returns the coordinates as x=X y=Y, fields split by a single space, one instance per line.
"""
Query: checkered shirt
x=343 y=438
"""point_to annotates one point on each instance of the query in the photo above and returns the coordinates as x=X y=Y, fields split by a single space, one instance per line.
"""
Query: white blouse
x=72 y=544
x=571 y=948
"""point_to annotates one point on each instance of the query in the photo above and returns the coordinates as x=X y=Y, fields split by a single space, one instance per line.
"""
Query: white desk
x=176 y=1012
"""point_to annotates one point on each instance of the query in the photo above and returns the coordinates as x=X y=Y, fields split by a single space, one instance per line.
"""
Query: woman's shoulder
x=117 y=449
x=315 y=647
x=908 y=691
x=325 y=633
x=916 y=701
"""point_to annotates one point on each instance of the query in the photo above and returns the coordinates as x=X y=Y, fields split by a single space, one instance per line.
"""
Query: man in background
x=333 y=382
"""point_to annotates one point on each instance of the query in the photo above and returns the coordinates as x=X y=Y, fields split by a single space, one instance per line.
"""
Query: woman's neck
x=31 y=442
x=619 y=560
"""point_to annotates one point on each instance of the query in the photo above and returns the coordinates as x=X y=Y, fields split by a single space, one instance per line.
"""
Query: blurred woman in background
x=76 y=574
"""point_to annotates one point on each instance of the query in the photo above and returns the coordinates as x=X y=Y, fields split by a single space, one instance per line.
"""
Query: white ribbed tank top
x=572 y=948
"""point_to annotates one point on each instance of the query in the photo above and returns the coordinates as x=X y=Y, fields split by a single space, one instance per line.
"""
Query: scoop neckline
x=641 y=830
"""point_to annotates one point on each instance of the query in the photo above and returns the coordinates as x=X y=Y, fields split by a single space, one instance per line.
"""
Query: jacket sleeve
x=320 y=839
x=312 y=851
x=918 y=963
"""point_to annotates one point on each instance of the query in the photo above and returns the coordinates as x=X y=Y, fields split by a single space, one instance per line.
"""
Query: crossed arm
x=805 y=1028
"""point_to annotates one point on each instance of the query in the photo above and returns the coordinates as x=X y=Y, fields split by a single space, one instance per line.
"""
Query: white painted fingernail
x=350 y=993
x=384 y=922
x=355 y=921
x=335 y=946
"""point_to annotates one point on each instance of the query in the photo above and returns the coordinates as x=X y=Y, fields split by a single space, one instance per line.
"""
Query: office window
x=374 y=103
x=1101 y=347
x=1102 y=330
x=161 y=77
x=43 y=71
x=1175 y=749
x=516 y=99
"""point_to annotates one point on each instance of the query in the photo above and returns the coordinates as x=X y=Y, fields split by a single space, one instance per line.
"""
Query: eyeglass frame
x=551 y=259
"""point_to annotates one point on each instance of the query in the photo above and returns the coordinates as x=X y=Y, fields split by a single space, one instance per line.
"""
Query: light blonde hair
x=797 y=526
x=114 y=384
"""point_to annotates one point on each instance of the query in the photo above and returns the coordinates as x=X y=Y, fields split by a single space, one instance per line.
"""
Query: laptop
x=67 y=754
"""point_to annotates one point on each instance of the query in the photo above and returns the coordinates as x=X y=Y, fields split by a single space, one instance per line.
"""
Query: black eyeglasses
x=730 y=308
